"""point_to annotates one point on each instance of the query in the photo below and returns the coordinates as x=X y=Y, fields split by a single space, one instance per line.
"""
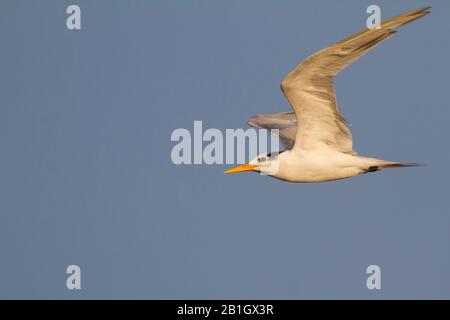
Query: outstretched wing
x=283 y=124
x=310 y=91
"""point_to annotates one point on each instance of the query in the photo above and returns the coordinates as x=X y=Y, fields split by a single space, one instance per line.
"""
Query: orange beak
x=244 y=167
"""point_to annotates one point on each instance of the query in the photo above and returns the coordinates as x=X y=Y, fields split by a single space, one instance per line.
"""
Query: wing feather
x=310 y=91
x=283 y=124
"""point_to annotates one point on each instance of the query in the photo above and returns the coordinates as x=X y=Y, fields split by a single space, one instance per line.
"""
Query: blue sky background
x=86 y=176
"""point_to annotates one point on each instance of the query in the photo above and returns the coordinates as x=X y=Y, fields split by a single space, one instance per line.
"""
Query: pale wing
x=310 y=91
x=283 y=124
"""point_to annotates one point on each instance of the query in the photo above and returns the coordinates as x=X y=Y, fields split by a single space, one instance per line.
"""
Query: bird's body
x=319 y=165
x=326 y=165
x=320 y=146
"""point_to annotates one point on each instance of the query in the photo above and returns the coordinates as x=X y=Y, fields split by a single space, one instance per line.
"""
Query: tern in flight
x=318 y=143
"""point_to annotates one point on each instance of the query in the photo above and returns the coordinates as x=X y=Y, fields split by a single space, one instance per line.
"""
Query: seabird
x=318 y=142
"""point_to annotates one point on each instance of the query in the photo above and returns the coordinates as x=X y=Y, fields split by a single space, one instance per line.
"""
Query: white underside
x=322 y=165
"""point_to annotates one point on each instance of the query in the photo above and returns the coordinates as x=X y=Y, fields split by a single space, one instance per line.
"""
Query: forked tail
x=388 y=165
x=400 y=165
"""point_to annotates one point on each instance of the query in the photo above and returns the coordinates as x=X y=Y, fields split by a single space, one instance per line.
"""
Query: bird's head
x=265 y=163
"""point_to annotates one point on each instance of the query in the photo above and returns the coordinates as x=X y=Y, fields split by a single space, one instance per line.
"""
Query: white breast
x=317 y=166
